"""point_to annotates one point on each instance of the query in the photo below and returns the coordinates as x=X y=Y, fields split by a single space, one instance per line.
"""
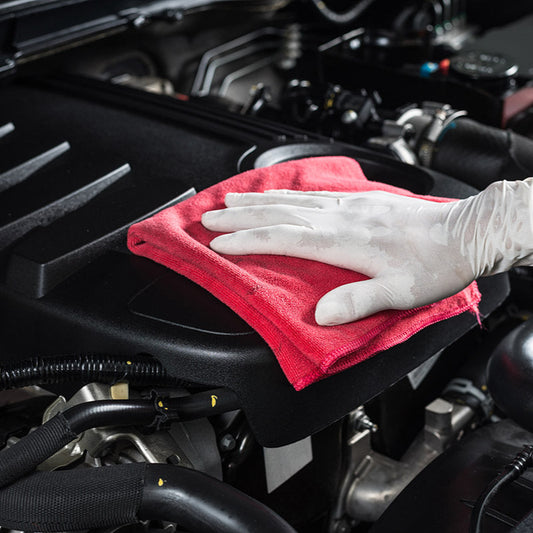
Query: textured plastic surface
x=112 y=302
x=525 y=526
x=440 y=499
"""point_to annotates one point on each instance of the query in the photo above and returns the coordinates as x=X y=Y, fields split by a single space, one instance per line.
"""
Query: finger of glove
x=255 y=216
x=294 y=241
x=352 y=302
x=325 y=199
x=234 y=199
x=370 y=194
x=301 y=242
x=320 y=194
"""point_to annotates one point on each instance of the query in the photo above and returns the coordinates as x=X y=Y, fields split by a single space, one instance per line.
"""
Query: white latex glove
x=415 y=251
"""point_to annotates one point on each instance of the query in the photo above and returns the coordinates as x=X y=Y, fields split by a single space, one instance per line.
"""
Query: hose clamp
x=465 y=388
x=442 y=118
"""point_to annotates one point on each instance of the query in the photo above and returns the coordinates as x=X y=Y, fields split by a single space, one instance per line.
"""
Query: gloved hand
x=415 y=251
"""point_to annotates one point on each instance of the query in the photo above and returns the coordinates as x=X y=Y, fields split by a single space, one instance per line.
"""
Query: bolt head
x=349 y=116
x=139 y=21
x=227 y=443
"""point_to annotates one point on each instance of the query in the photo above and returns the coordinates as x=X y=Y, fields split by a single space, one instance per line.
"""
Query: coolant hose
x=117 y=495
x=479 y=154
x=202 y=503
x=24 y=456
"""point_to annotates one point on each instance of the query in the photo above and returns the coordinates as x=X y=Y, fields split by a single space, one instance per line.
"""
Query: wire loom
x=87 y=368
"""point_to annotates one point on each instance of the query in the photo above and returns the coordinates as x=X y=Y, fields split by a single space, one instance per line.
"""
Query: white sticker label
x=283 y=462
x=417 y=375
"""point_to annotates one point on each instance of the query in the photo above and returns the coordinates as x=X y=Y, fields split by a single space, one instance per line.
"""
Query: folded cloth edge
x=195 y=273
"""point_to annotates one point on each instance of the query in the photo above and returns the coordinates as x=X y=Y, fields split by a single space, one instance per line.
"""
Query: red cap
x=444 y=66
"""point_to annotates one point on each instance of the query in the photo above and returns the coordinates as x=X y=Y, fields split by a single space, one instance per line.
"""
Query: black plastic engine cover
x=69 y=286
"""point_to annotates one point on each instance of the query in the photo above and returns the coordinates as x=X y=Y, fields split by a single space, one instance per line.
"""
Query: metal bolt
x=311 y=108
x=139 y=21
x=361 y=422
x=409 y=131
x=174 y=459
x=355 y=44
x=349 y=116
x=366 y=423
x=227 y=443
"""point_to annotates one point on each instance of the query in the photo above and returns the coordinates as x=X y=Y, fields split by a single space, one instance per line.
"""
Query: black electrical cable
x=138 y=371
x=346 y=17
x=30 y=451
x=512 y=471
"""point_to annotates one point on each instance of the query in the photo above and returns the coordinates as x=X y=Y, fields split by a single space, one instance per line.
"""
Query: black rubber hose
x=85 y=368
x=30 y=451
x=479 y=154
x=118 y=495
x=346 y=17
x=201 y=404
x=71 y=500
x=203 y=504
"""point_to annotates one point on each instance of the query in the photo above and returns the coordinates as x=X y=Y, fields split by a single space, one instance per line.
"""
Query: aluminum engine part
x=191 y=444
x=374 y=480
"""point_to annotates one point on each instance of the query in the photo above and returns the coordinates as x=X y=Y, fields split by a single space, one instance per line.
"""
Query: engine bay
x=119 y=373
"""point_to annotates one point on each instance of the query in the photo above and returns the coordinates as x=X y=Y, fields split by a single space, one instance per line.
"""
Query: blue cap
x=428 y=68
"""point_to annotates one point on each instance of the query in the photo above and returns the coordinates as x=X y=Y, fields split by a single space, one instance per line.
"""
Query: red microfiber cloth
x=277 y=295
